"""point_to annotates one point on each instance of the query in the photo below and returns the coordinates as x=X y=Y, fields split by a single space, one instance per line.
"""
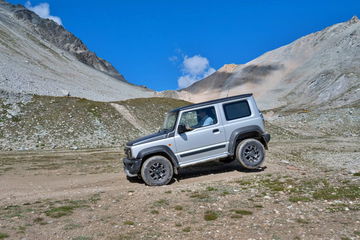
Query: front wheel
x=157 y=171
x=250 y=153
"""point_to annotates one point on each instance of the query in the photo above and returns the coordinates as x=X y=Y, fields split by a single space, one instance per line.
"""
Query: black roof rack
x=212 y=102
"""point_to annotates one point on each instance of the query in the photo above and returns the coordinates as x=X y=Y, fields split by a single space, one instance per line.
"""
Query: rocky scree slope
x=320 y=70
x=38 y=56
x=43 y=122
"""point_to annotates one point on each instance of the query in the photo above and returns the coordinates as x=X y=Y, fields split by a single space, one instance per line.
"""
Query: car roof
x=212 y=102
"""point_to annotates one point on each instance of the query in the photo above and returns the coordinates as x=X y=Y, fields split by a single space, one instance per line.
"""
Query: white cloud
x=194 y=69
x=195 y=65
x=43 y=10
x=209 y=72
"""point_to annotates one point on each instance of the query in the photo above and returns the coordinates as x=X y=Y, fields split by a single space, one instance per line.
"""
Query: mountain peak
x=57 y=35
x=229 y=68
x=354 y=19
x=39 y=56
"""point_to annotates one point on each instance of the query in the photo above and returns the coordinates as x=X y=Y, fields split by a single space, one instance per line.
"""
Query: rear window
x=236 y=110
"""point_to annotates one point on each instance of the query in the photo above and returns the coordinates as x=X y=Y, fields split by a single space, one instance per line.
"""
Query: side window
x=199 y=118
x=236 y=110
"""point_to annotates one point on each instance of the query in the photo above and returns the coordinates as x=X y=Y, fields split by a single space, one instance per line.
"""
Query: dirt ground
x=306 y=190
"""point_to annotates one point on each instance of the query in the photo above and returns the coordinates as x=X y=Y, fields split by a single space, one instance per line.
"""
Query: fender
x=246 y=132
x=163 y=150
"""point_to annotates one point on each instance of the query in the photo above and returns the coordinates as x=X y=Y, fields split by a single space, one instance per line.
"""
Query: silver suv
x=228 y=128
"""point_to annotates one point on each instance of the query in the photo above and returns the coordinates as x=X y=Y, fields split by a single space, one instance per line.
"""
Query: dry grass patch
x=3 y=235
x=40 y=220
x=242 y=212
x=299 y=199
x=211 y=215
x=154 y=212
x=127 y=222
x=302 y=221
x=351 y=192
x=82 y=238
x=161 y=203
x=178 y=208
x=65 y=210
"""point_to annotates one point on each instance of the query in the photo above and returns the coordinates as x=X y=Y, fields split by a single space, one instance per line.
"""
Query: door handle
x=216 y=130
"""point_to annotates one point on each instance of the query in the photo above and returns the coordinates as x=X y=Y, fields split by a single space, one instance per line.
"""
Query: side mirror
x=182 y=128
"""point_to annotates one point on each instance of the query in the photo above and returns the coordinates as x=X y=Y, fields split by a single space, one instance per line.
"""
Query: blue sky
x=157 y=43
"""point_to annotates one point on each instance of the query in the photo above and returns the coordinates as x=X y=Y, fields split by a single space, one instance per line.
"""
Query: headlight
x=128 y=153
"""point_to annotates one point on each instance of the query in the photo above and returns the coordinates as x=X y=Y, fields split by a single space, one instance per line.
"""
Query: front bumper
x=266 y=137
x=132 y=166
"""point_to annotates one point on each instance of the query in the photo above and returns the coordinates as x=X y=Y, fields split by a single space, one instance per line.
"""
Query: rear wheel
x=250 y=153
x=157 y=171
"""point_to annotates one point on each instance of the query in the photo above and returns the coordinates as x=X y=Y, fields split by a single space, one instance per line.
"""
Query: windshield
x=170 y=121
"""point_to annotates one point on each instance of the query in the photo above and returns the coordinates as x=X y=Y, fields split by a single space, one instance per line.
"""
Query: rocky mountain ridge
x=38 y=56
x=317 y=70
x=61 y=38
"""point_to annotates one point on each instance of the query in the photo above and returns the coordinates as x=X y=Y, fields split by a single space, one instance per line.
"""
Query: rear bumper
x=132 y=166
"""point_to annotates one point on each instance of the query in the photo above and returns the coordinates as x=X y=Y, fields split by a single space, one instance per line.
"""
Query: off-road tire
x=157 y=171
x=250 y=153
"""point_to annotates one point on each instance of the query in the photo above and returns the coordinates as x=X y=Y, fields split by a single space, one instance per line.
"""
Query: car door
x=205 y=140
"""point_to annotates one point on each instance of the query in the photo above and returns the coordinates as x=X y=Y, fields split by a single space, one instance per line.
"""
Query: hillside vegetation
x=44 y=122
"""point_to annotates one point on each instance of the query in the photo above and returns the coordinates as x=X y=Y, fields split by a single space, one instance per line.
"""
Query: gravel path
x=129 y=117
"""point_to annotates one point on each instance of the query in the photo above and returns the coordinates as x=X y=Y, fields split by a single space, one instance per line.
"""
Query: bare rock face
x=61 y=38
x=320 y=69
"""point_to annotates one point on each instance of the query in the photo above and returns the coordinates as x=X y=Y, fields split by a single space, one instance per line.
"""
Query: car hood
x=149 y=138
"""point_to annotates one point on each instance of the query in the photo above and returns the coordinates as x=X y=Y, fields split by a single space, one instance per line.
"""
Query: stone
x=65 y=93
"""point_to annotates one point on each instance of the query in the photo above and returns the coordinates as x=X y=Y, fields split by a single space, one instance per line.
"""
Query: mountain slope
x=46 y=122
x=320 y=69
x=61 y=38
x=38 y=56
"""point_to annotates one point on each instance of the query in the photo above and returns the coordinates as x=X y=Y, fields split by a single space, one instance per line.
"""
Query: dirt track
x=85 y=195
x=40 y=181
